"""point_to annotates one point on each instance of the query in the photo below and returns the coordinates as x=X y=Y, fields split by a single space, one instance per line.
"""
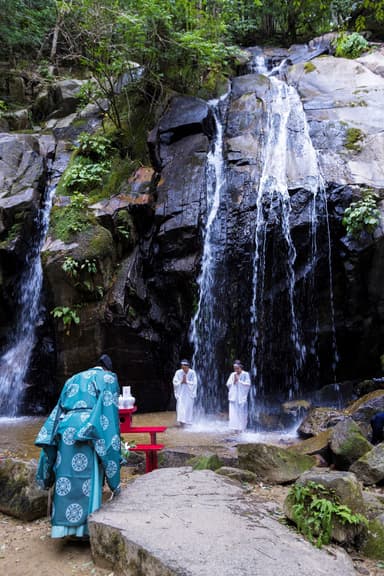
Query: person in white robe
x=185 y=388
x=238 y=384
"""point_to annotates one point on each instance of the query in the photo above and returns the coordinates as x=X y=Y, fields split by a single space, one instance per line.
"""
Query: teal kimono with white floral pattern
x=80 y=443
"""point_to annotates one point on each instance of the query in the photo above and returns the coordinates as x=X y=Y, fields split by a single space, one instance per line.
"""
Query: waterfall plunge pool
x=17 y=435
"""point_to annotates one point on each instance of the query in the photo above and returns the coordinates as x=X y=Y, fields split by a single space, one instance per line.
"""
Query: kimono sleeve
x=103 y=428
x=46 y=439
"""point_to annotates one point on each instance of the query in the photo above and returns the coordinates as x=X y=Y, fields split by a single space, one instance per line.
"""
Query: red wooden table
x=151 y=450
x=125 y=416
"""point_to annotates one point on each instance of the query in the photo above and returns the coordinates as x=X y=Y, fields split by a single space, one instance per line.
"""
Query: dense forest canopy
x=58 y=28
x=188 y=46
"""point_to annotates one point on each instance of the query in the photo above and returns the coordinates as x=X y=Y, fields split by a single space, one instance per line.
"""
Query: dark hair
x=184 y=361
x=238 y=363
x=105 y=361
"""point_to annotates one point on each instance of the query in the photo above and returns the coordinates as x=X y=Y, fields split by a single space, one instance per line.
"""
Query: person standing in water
x=238 y=385
x=80 y=443
x=185 y=388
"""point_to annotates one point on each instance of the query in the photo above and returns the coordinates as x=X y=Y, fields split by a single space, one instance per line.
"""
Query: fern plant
x=316 y=509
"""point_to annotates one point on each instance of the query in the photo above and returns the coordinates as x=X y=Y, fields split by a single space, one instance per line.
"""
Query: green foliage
x=362 y=215
x=3 y=107
x=67 y=315
x=316 y=509
x=69 y=220
x=70 y=266
x=94 y=146
x=90 y=266
x=24 y=24
x=82 y=274
x=353 y=139
x=84 y=174
x=350 y=45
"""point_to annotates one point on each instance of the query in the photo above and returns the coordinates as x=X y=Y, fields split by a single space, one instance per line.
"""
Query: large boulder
x=370 y=467
x=348 y=491
x=20 y=496
x=347 y=443
x=273 y=464
x=318 y=444
x=363 y=409
x=179 y=521
x=319 y=419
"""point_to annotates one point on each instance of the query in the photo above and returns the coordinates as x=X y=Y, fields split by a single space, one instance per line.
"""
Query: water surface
x=17 y=435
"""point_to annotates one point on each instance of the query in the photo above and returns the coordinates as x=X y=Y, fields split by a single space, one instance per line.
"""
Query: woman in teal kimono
x=80 y=443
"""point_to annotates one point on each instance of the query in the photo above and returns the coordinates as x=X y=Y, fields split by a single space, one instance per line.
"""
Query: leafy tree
x=24 y=25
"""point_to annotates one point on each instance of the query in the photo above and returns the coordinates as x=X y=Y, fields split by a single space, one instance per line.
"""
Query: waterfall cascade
x=207 y=325
x=283 y=323
x=14 y=362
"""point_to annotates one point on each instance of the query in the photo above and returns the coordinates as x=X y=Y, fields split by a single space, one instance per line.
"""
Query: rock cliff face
x=312 y=325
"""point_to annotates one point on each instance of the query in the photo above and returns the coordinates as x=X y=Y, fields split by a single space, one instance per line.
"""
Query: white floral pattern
x=80 y=404
x=115 y=442
x=100 y=447
x=72 y=390
x=86 y=487
x=107 y=398
x=91 y=389
x=68 y=436
x=104 y=422
x=79 y=462
x=74 y=512
x=63 y=486
x=111 y=468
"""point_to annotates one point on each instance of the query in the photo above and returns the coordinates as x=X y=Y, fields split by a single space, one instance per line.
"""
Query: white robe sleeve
x=176 y=383
x=192 y=382
x=244 y=386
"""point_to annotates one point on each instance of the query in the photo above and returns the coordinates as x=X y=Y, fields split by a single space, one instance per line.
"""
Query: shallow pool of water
x=17 y=435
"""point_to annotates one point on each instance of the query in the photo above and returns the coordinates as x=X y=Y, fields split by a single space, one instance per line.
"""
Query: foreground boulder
x=173 y=522
x=19 y=494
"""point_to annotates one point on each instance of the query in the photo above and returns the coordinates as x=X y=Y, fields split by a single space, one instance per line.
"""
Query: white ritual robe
x=185 y=395
x=237 y=397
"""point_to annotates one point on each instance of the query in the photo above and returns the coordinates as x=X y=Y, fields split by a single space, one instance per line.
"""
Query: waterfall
x=14 y=362
x=208 y=324
x=275 y=309
x=283 y=329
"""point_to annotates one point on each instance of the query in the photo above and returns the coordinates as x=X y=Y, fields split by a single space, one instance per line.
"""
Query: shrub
x=94 y=146
x=350 y=45
x=85 y=175
x=362 y=215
